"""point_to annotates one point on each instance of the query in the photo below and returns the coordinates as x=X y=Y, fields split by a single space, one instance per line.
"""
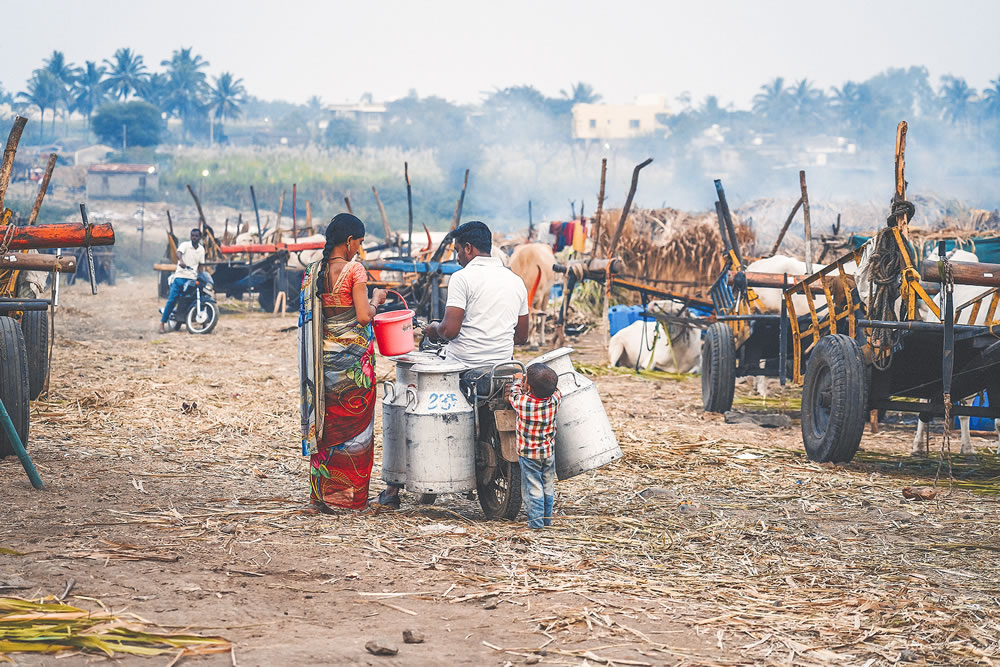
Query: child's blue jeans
x=538 y=487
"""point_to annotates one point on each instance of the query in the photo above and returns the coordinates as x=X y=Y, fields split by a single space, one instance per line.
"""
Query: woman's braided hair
x=342 y=227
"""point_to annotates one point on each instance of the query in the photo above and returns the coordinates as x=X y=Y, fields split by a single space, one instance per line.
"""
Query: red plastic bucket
x=394 y=330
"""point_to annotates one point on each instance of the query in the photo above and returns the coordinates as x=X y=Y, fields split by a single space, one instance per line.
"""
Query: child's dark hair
x=542 y=380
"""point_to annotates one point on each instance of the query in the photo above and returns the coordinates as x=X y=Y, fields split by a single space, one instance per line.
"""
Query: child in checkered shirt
x=536 y=411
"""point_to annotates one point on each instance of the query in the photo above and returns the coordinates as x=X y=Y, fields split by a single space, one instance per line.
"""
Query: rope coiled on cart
x=885 y=278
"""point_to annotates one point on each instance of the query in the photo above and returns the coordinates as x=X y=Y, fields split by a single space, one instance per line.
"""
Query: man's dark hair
x=196 y=229
x=542 y=380
x=476 y=233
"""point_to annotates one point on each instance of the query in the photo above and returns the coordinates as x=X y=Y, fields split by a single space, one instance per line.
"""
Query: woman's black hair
x=342 y=227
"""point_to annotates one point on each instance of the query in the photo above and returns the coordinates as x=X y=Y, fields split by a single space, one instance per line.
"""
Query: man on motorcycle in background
x=190 y=261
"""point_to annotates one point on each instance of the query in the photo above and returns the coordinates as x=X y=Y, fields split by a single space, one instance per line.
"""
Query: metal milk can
x=584 y=439
x=440 y=431
x=393 y=417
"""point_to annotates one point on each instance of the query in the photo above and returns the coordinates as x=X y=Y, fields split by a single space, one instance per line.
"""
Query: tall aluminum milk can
x=440 y=431
x=584 y=439
x=393 y=415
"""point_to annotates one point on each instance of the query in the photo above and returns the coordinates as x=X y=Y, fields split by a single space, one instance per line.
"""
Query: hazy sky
x=624 y=48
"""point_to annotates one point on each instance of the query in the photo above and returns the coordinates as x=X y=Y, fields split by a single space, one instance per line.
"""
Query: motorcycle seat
x=477 y=381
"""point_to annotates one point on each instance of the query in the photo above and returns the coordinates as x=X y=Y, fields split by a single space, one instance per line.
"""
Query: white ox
x=675 y=348
x=532 y=262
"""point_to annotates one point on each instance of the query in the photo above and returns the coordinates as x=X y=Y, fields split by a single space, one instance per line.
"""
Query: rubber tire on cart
x=211 y=319
x=834 y=399
x=718 y=368
x=35 y=327
x=500 y=492
x=13 y=382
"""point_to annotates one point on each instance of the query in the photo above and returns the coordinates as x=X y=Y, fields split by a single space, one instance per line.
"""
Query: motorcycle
x=195 y=307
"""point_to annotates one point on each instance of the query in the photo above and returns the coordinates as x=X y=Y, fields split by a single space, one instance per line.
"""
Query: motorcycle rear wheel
x=498 y=489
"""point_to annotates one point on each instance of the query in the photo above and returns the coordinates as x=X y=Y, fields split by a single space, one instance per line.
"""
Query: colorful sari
x=337 y=387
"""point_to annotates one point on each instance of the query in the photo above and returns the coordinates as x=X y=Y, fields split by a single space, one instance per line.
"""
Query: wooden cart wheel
x=498 y=487
x=718 y=368
x=13 y=382
x=35 y=327
x=834 y=399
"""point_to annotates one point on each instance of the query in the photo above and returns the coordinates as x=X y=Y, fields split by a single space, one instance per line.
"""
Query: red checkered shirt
x=536 y=422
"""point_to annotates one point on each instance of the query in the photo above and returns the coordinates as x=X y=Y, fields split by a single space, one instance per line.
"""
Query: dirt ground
x=176 y=492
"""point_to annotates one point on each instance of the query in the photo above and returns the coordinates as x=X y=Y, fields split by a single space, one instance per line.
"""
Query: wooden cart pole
x=256 y=212
x=901 y=220
x=43 y=188
x=727 y=218
x=385 y=219
x=461 y=201
x=281 y=208
x=197 y=204
x=22 y=453
x=595 y=250
x=309 y=218
x=347 y=202
x=784 y=227
x=295 y=220
x=409 y=210
x=628 y=205
x=807 y=225
x=7 y=166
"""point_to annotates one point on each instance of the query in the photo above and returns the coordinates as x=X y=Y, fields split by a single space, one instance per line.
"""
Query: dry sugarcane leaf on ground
x=36 y=626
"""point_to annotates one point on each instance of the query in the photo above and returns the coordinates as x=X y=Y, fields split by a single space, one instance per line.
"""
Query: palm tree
x=581 y=93
x=126 y=73
x=66 y=73
x=156 y=90
x=957 y=97
x=710 y=111
x=772 y=101
x=226 y=97
x=187 y=85
x=852 y=102
x=89 y=90
x=44 y=91
x=807 y=103
x=991 y=98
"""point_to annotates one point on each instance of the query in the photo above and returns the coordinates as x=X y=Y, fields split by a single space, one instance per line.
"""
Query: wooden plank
x=61 y=235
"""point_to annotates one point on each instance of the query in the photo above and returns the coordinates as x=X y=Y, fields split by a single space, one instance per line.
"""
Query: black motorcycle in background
x=196 y=308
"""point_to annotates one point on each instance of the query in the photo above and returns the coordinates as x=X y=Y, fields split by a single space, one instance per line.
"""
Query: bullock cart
x=24 y=323
x=743 y=340
x=908 y=358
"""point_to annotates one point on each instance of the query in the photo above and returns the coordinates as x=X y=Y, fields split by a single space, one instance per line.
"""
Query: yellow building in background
x=620 y=121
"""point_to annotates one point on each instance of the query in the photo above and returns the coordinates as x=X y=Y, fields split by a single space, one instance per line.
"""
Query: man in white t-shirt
x=190 y=260
x=487 y=309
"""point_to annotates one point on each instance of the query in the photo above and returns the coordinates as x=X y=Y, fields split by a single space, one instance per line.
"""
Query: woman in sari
x=337 y=369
